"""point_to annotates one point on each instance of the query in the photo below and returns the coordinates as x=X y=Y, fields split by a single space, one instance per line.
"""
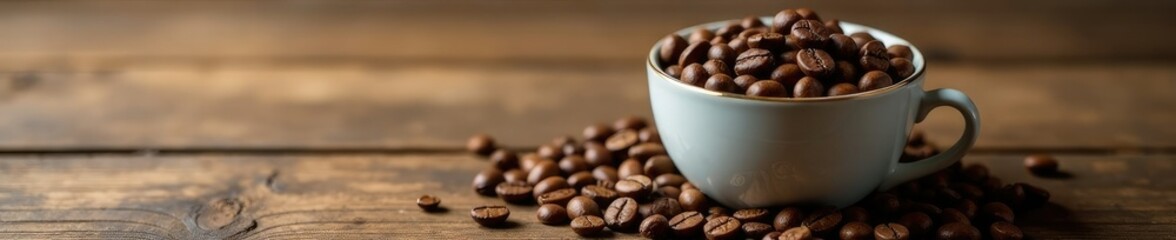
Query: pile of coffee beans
x=798 y=55
x=619 y=179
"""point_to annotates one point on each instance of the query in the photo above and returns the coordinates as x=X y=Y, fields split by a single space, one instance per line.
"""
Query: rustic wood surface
x=326 y=119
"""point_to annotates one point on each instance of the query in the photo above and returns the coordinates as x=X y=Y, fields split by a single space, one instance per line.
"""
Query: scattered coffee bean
x=855 y=214
x=1041 y=164
x=667 y=192
x=550 y=184
x=504 y=159
x=490 y=216
x=767 y=88
x=797 y=233
x=1034 y=196
x=621 y=141
x=958 y=231
x=487 y=180
x=559 y=197
x=891 y=231
x=996 y=211
x=582 y=205
x=788 y=218
x=630 y=167
x=636 y=186
x=1005 y=231
x=721 y=83
x=543 y=170
x=622 y=214
x=701 y=35
x=951 y=215
x=669 y=179
x=552 y=214
x=514 y=175
x=900 y=51
x=550 y=151
x=647 y=150
x=874 y=80
x=588 y=225
x=808 y=87
x=573 y=164
x=774 y=235
x=514 y=192
x=842 y=89
x=597 y=132
x=823 y=221
x=815 y=62
x=692 y=200
x=918 y=223
x=529 y=161
x=751 y=215
x=856 y=231
x=668 y=207
x=428 y=202
x=602 y=195
x=481 y=144
x=722 y=227
x=606 y=173
x=658 y=165
x=756 y=230
x=687 y=224
x=655 y=227
x=649 y=135
x=597 y=155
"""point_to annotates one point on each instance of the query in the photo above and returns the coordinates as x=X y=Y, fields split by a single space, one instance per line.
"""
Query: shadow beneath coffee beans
x=438 y=210
x=508 y=225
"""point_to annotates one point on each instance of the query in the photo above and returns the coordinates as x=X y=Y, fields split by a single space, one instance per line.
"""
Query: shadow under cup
x=745 y=151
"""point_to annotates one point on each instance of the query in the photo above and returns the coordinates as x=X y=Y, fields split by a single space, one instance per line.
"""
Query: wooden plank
x=373 y=195
x=429 y=105
x=96 y=35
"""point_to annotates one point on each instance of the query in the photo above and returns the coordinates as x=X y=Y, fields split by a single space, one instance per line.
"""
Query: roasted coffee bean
x=846 y=73
x=658 y=165
x=721 y=83
x=901 y=68
x=891 y=231
x=582 y=205
x=738 y=44
x=968 y=191
x=669 y=179
x=856 y=231
x=810 y=34
x=552 y=214
x=1013 y=195
x=808 y=14
x=1005 y=231
x=597 y=155
x=975 y=173
x=655 y=227
x=504 y=159
x=694 y=74
x=747 y=33
x=815 y=62
x=823 y=221
x=514 y=175
x=666 y=207
x=951 y=215
x=606 y=173
x=598 y=132
x=667 y=192
x=958 y=231
x=1041 y=164
x=692 y=200
x=874 y=80
x=674 y=71
x=929 y=209
x=767 y=88
x=630 y=167
x=722 y=227
x=724 y=53
x=797 y=233
x=1034 y=196
x=808 y=87
x=671 y=48
x=481 y=144
x=996 y=211
x=900 y=51
x=968 y=208
x=751 y=215
x=729 y=31
x=842 y=46
x=428 y=202
x=788 y=218
x=755 y=230
x=514 y=192
x=861 y=38
x=635 y=186
x=700 y=35
x=487 y=180
x=716 y=66
x=787 y=74
x=783 y=21
x=542 y=171
x=630 y=122
x=566 y=140
x=649 y=135
x=550 y=184
x=530 y=160
x=687 y=224
x=549 y=151
x=717 y=211
x=621 y=141
x=718 y=40
x=917 y=222
x=834 y=26
x=855 y=214
x=773 y=235
x=769 y=40
x=588 y=225
x=788 y=57
x=756 y=62
x=842 y=89
x=573 y=164
x=695 y=53
x=602 y=195
x=558 y=197
x=622 y=215
x=885 y=203
x=874 y=57
x=490 y=216
x=645 y=151
x=743 y=82
x=751 y=22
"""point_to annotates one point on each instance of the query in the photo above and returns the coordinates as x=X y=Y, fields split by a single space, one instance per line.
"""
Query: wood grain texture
x=427 y=105
x=372 y=196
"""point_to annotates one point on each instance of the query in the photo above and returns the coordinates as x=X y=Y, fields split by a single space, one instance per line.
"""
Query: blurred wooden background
x=149 y=109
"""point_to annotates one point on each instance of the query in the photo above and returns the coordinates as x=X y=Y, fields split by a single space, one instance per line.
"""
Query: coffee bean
x=552 y=214
x=1034 y=196
x=588 y=225
x=797 y=233
x=788 y=218
x=687 y=224
x=605 y=173
x=996 y=211
x=721 y=83
x=857 y=231
x=716 y=66
x=755 y=230
x=504 y=159
x=530 y=160
x=842 y=89
x=630 y=122
x=630 y=167
x=739 y=44
x=645 y=151
x=550 y=184
x=968 y=191
x=668 y=207
x=885 y=203
x=815 y=62
x=602 y=195
x=514 y=192
x=767 y=88
x=975 y=173
x=861 y=38
x=718 y=40
x=958 y=231
x=559 y=196
x=891 y=231
x=597 y=154
x=823 y=221
x=667 y=192
x=846 y=72
x=621 y=141
x=874 y=80
x=1005 y=231
x=834 y=26
x=481 y=144
x=1041 y=164
x=744 y=82
x=787 y=74
x=490 y=216
x=694 y=74
x=655 y=227
x=542 y=171
x=751 y=215
x=716 y=211
x=635 y=186
x=724 y=53
x=771 y=41
x=874 y=57
x=755 y=61
x=428 y=202
x=747 y=33
x=729 y=31
x=855 y=214
x=695 y=53
x=900 y=51
x=968 y=208
x=951 y=215
x=722 y=227
x=692 y=200
x=597 y=132
x=788 y=57
x=751 y=22
x=669 y=179
x=701 y=35
x=929 y=209
x=810 y=34
x=622 y=214
x=649 y=135
x=783 y=21
x=658 y=165
x=901 y=68
x=917 y=222
x=842 y=46
x=808 y=14
x=582 y=205
x=671 y=48
x=674 y=71
x=514 y=175
x=487 y=180
x=808 y=87
x=549 y=151
x=774 y=235
x=573 y=164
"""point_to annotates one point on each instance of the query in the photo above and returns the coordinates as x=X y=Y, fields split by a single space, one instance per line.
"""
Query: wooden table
x=242 y=120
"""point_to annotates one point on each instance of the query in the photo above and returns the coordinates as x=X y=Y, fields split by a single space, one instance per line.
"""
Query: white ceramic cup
x=745 y=151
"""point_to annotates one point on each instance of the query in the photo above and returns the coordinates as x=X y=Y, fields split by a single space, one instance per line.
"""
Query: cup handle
x=904 y=172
